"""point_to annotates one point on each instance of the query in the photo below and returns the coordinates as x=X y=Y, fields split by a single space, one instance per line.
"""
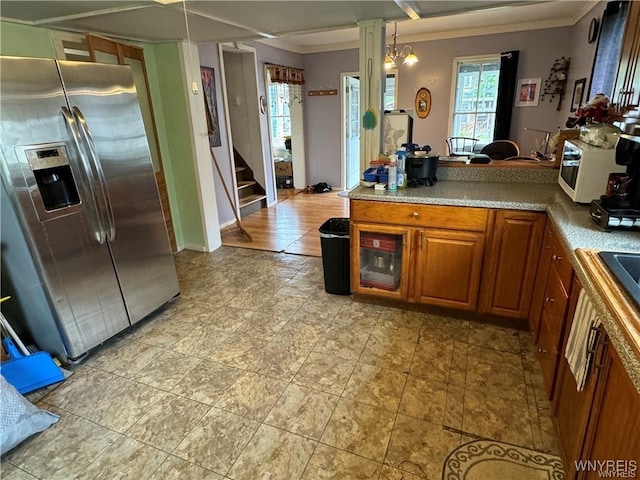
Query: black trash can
x=334 y=241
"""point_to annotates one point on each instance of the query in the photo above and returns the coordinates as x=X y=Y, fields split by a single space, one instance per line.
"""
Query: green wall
x=176 y=142
x=25 y=41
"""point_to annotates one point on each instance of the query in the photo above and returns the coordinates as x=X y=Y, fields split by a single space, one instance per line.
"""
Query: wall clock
x=593 y=30
x=423 y=102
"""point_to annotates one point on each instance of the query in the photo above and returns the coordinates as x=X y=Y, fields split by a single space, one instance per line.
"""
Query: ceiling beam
x=95 y=13
x=408 y=7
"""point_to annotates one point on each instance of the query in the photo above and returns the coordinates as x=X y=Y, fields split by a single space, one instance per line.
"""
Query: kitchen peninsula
x=517 y=248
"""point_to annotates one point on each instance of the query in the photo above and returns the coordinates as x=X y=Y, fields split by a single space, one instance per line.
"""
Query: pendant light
x=392 y=52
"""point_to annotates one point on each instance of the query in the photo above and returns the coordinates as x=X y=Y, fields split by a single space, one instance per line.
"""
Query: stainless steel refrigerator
x=88 y=252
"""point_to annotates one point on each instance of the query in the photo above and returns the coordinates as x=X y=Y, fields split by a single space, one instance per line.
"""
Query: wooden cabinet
x=614 y=426
x=447 y=253
x=441 y=265
x=380 y=260
x=512 y=261
x=448 y=265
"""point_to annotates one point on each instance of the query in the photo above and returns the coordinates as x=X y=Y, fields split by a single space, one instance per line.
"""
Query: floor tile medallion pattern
x=255 y=372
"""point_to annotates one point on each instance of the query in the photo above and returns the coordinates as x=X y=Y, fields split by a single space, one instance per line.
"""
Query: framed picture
x=423 y=102
x=528 y=92
x=397 y=129
x=211 y=105
x=578 y=92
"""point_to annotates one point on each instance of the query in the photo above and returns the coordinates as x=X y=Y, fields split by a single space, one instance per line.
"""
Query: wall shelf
x=318 y=93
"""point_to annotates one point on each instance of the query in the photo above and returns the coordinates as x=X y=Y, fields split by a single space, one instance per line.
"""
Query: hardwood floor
x=291 y=226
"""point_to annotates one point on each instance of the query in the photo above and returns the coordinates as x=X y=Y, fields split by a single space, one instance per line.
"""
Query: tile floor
x=255 y=372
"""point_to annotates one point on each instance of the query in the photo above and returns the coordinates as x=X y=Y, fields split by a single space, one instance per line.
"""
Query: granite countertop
x=572 y=222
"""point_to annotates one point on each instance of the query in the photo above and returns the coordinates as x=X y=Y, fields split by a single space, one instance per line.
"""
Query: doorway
x=241 y=104
x=350 y=130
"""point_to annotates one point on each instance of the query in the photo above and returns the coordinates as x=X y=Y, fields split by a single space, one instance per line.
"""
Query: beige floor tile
x=238 y=351
x=217 y=441
x=491 y=336
x=355 y=319
x=375 y=386
x=123 y=357
x=262 y=325
x=459 y=359
x=436 y=328
x=454 y=410
x=419 y=447
x=9 y=472
x=343 y=341
x=63 y=450
x=424 y=399
x=325 y=372
x=200 y=342
x=273 y=454
x=111 y=401
x=328 y=463
x=390 y=473
x=497 y=419
x=302 y=411
x=252 y=395
x=228 y=319
x=544 y=433
x=207 y=382
x=495 y=372
x=385 y=350
x=168 y=422
x=303 y=331
x=280 y=359
x=126 y=458
x=174 y=468
x=399 y=325
x=325 y=310
x=166 y=333
x=432 y=360
x=359 y=428
x=166 y=370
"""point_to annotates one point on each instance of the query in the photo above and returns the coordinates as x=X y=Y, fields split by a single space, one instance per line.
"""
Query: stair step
x=240 y=169
x=251 y=199
x=245 y=183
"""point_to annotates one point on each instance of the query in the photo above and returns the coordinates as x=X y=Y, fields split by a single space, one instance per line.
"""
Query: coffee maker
x=619 y=207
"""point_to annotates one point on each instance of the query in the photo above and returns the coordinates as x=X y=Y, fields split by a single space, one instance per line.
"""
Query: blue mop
x=27 y=372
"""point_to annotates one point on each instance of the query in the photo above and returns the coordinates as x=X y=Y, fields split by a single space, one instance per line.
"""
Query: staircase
x=251 y=194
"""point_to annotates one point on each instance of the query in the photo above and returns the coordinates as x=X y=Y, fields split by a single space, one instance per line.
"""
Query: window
x=475 y=97
x=280 y=115
x=390 y=94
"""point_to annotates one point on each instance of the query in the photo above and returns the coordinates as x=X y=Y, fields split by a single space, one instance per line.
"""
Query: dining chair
x=501 y=150
x=461 y=146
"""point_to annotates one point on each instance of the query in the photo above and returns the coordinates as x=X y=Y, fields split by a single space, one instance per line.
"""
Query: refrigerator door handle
x=84 y=128
x=100 y=234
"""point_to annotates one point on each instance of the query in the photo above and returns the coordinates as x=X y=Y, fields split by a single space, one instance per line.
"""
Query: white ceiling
x=302 y=26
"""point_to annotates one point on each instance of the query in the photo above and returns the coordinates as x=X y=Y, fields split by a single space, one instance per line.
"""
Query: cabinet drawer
x=415 y=215
x=561 y=262
x=554 y=305
x=547 y=354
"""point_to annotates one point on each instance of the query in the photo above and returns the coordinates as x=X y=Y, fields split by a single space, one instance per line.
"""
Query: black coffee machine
x=619 y=207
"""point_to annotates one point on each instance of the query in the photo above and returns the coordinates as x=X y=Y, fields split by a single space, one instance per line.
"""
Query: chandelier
x=392 y=52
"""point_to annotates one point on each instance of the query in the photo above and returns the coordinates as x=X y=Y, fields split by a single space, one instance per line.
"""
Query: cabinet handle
x=542 y=350
x=549 y=300
x=556 y=257
x=547 y=247
x=416 y=214
x=421 y=234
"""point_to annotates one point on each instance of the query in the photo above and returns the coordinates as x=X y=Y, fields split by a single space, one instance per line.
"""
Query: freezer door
x=105 y=103
x=75 y=269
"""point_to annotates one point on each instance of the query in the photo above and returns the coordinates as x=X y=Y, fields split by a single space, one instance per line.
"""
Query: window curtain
x=282 y=74
x=289 y=75
x=605 y=65
x=506 y=94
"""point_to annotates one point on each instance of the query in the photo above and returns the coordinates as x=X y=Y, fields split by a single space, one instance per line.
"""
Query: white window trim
x=454 y=82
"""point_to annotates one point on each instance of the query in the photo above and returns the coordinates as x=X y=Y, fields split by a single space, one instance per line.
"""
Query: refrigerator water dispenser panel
x=51 y=169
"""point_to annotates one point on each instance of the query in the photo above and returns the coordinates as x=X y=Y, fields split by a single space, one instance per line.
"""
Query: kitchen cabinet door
x=614 y=429
x=512 y=261
x=380 y=260
x=537 y=298
x=448 y=266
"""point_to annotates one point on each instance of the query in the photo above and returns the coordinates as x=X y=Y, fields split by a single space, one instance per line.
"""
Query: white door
x=351 y=131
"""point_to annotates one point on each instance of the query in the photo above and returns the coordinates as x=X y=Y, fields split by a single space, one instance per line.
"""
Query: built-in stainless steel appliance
x=584 y=170
x=87 y=250
x=619 y=207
